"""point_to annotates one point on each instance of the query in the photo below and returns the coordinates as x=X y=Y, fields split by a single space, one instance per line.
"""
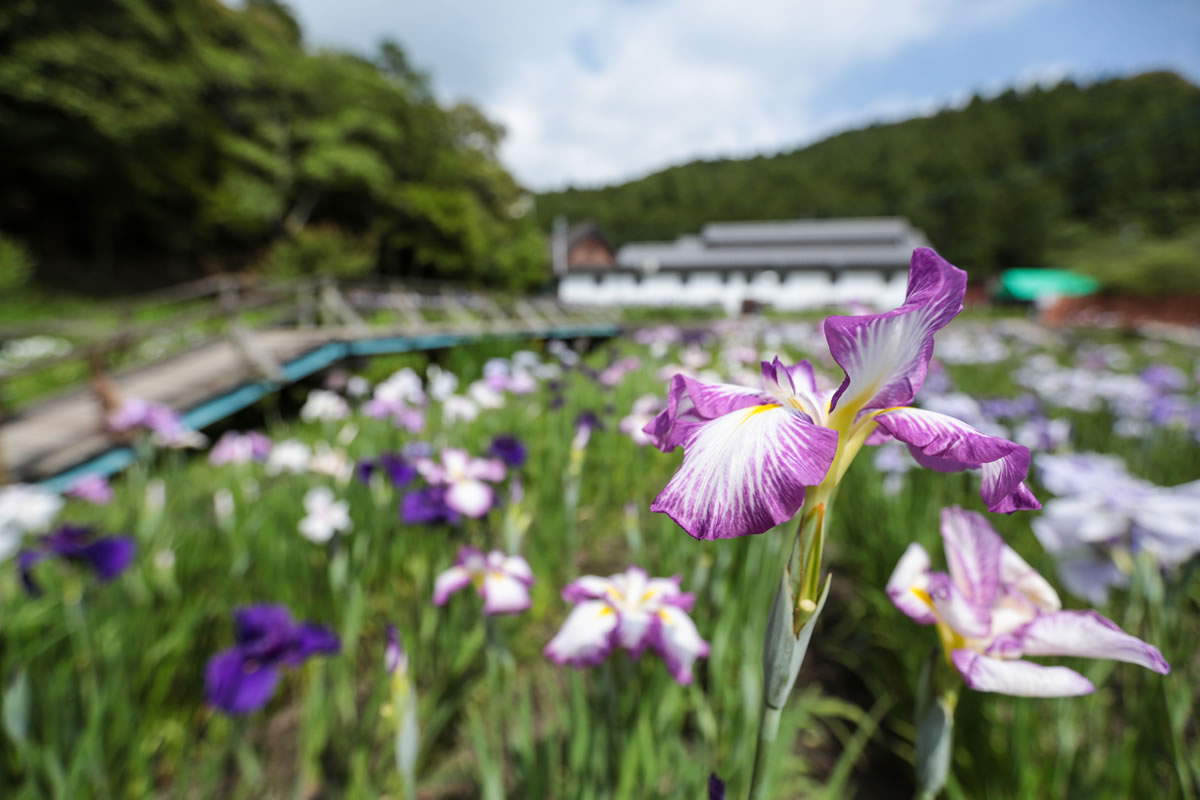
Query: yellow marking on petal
x=604 y=611
x=662 y=614
x=758 y=410
x=648 y=594
x=951 y=640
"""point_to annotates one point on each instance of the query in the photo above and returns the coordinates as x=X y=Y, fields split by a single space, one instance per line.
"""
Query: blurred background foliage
x=1042 y=177
x=150 y=142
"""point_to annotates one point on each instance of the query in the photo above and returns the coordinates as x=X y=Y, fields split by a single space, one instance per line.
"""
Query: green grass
x=112 y=675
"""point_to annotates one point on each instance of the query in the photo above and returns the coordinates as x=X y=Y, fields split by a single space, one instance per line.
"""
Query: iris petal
x=886 y=356
x=586 y=637
x=1088 y=634
x=1019 y=678
x=946 y=444
x=746 y=471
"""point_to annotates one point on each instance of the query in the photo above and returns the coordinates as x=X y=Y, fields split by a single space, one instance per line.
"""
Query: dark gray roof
x=878 y=230
x=871 y=243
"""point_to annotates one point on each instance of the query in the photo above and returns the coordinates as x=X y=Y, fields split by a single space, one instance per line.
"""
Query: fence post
x=5 y=474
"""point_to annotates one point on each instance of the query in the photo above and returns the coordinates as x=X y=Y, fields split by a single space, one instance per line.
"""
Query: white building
x=787 y=265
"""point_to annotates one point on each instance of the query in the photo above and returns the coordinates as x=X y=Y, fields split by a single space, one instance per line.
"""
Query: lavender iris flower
x=161 y=420
x=92 y=488
x=1104 y=518
x=633 y=611
x=1164 y=378
x=243 y=678
x=751 y=454
x=240 y=448
x=108 y=556
x=992 y=608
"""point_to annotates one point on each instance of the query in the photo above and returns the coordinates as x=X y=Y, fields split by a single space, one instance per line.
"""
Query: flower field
x=444 y=579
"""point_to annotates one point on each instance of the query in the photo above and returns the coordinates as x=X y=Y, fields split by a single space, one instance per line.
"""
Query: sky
x=593 y=92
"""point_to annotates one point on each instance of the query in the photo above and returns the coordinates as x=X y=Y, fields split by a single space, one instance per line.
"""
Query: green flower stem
x=793 y=615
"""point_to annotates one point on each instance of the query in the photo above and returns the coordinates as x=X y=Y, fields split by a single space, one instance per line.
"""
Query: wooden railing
x=232 y=307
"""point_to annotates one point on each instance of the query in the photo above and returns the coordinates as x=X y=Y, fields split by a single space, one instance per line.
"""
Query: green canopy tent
x=1031 y=285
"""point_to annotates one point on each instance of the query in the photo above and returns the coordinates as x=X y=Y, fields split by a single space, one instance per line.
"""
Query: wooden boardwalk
x=64 y=437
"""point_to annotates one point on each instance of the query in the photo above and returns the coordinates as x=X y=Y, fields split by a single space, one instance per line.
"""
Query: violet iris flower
x=108 y=556
x=502 y=581
x=427 y=507
x=243 y=678
x=750 y=454
x=464 y=479
x=508 y=449
x=397 y=469
x=633 y=611
x=992 y=608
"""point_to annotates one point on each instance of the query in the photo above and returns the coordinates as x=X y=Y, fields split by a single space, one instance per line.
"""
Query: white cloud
x=601 y=92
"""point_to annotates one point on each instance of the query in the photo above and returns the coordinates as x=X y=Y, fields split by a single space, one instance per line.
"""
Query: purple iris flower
x=108 y=556
x=751 y=454
x=716 y=787
x=588 y=419
x=243 y=678
x=992 y=608
x=508 y=449
x=399 y=472
x=427 y=507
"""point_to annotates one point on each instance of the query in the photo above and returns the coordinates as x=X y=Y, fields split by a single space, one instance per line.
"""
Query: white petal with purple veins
x=690 y=401
x=745 y=472
x=470 y=498
x=449 y=582
x=679 y=643
x=956 y=609
x=586 y=636
x=946 y=444
x=1019 y=678
x=973 y=552
x=587 y=587
x=518 y=567
x=504 y=594
x=1017 y=574
x=886 y=356
x=910 y=573
x=1088 y=634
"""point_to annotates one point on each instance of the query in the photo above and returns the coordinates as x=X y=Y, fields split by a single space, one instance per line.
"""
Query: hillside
x=1011 y=180
x=149 y=143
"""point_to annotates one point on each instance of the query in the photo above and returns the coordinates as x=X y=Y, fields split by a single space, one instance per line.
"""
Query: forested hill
x=148 y=142
x=995 y=184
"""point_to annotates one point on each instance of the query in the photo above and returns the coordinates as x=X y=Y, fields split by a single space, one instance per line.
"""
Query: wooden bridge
x=228 y=343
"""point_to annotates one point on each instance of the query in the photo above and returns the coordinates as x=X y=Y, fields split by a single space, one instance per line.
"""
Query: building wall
x=590 y=252
x=791 y=290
